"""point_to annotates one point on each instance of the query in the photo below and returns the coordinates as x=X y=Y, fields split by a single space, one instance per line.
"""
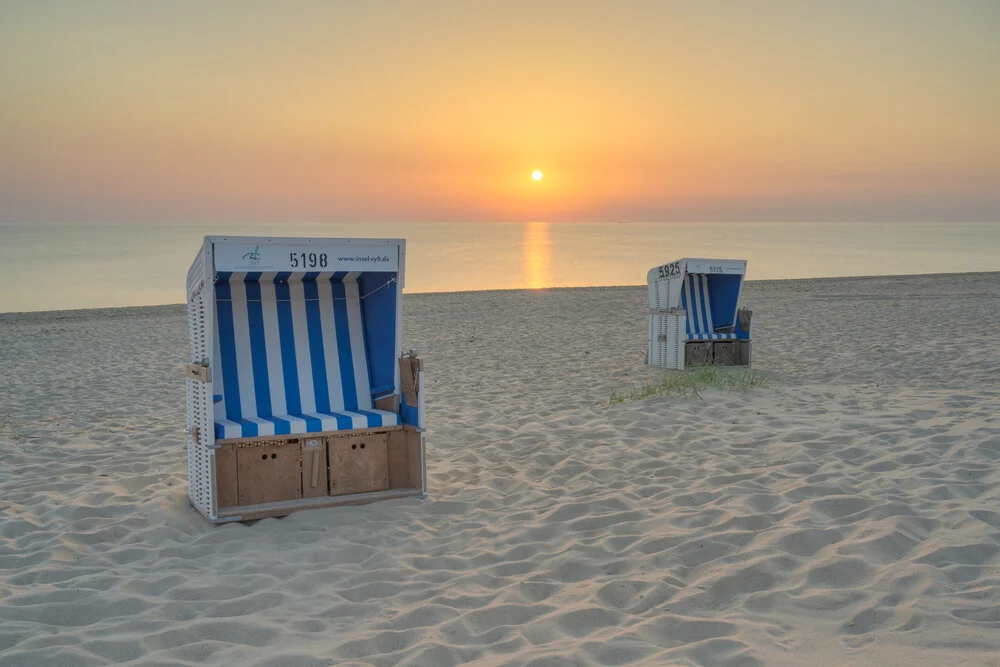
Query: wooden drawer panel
x=698 y=354
x=743 y=352
x=269 y=473
x=725 y=353
x=358 y=464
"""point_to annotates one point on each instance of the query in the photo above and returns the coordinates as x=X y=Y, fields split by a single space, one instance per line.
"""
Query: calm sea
x=52 y=267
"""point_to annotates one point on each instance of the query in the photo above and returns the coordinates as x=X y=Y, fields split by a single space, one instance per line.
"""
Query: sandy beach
x=847 y=512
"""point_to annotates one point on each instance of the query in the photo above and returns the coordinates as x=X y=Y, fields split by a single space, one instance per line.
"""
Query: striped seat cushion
x=695 y=300
x=292 y=356
x=711 y=336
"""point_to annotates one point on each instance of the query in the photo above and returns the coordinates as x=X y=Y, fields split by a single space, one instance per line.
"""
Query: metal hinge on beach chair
x=199 y=371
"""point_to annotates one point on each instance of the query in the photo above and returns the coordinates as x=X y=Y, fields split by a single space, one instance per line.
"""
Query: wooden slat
x=399 y=460
x=359 y=464
x=408 y=380
x=315 y=478
x=226 y=485
x=743 y=352
x=269 y=473
x=265 y=510
x=413 y=441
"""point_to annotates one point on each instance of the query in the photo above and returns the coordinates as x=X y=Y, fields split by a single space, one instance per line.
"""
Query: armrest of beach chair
x=744 y=317
x=388 y=402
x=410 y=373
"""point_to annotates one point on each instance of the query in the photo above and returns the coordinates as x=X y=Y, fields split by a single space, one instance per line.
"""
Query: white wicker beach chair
x=297 y=394
x=693 y=317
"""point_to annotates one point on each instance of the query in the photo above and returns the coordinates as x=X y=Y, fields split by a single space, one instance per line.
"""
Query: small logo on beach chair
x=253 y=256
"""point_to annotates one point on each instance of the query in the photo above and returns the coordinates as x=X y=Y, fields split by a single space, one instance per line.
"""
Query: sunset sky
x=250 y=111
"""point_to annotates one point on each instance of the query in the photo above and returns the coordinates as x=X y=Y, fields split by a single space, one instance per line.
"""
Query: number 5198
x=310 y=260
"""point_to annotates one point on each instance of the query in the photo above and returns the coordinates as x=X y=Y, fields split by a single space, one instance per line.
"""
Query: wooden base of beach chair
x=698 y=354
x=743 y=352
x=273 y=476
x=717 y=353
x=724 y=353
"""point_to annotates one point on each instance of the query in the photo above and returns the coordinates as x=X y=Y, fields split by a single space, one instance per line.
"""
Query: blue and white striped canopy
x=696 y=301
x=292 y=355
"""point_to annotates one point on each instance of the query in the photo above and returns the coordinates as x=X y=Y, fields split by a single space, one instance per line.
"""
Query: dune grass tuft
x=690 y=383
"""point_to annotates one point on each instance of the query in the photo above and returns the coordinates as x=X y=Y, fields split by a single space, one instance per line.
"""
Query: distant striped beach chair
x=297 y=394
x=693 y=314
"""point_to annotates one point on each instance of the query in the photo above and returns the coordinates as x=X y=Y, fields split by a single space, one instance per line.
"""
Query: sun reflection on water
x=537 y=257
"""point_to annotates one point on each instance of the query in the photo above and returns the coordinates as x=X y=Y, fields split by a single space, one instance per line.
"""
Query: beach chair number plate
x=669 y=270
x=310 y=260
x=674 y=269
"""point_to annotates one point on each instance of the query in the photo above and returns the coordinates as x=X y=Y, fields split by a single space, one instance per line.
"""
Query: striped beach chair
x=696 y=300
x=693 y=316
x=293 y=357
x=298 y=395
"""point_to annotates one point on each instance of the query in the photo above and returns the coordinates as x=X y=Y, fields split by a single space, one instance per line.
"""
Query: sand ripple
x=848 y=512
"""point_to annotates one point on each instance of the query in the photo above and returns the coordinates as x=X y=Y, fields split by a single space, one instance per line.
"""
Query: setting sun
x=537 y=175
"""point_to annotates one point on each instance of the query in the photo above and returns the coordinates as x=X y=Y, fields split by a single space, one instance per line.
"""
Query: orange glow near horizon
x=395 y=112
